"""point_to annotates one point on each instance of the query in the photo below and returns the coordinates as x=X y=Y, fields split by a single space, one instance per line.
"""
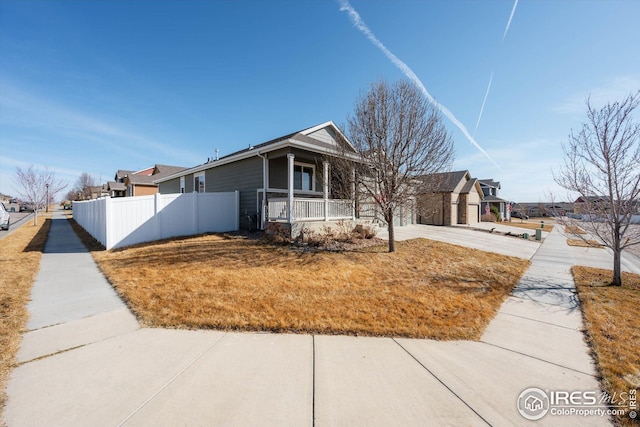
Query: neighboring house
x=287 y=180
x=117 y=187
x=590 y=204
x=97 y=191
x=541 y=209
x=490 y=190
x=454 y=200
x=141 y=183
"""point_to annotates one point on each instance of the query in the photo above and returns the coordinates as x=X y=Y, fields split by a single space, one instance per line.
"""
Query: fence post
x=107 y=224
x=196 y=224
x=156 y=216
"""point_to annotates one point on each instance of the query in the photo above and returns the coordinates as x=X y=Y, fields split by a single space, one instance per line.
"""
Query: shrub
x=496 y=213
x=276 y=232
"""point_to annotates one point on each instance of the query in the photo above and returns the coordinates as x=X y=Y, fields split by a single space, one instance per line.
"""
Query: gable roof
x=159 y=171
x=591 y=199
x=446 y=181
x=116 y=186
x=165 y=170
x=469 y=185
x=122 y=174
x=308 y=139
x=146 y=171
x=489 y=183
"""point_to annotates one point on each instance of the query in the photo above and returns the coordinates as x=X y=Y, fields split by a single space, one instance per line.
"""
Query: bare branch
x=602 y=168
x=37 y=187
x=398 y=138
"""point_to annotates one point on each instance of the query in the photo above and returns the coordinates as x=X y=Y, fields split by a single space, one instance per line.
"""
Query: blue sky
x=96 y=86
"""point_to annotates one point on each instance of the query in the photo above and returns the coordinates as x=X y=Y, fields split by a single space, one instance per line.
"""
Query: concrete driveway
x=470 y=238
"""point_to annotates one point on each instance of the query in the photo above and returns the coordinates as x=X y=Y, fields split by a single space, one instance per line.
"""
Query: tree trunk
x=35 y=217
x=392 y=237
x=617 y=256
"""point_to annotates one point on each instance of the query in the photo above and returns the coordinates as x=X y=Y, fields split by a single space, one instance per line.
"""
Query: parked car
x=516 y=214
x=27 y=207
x=5 y=218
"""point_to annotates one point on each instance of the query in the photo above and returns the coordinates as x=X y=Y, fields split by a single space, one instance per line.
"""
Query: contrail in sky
x=360 y=25
x=484 y=101
x=486 y=95
x=513 y=11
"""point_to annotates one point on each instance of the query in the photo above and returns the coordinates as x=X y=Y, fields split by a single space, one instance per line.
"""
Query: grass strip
x=584 y=243
x=611 y=318
x=20 y=254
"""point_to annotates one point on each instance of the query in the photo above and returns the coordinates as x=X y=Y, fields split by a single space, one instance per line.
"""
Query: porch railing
x=310 y=209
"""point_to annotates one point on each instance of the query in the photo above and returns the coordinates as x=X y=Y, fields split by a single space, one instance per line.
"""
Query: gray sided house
x=490 y=190
x=450 y=198
x=287 y=180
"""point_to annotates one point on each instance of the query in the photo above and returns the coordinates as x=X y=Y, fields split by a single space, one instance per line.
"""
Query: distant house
x=591 y=204
x=97 y=191
x=117 y=187
x=453 y=198
x=490 y=191
x=139 y=183
x=286 y=181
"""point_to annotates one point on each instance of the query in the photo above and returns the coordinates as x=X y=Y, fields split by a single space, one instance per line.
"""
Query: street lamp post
x=47 y=201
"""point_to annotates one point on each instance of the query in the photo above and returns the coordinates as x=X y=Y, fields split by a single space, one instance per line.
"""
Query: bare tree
x=83 y=185
x=37 y=187
x=399 y=138
x=602 y=166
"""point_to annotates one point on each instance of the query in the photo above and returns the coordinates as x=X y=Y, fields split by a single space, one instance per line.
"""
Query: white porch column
x=325 y=188
x=353 y=193
x=265 y=185
x=290 y=158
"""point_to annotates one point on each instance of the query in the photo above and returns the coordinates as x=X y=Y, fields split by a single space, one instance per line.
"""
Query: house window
x=182 y=184
x=198 y=183
x=303 y=177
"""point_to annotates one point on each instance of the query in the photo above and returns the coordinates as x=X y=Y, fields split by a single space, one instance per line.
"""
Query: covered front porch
x=309 y=209
x=299 y=189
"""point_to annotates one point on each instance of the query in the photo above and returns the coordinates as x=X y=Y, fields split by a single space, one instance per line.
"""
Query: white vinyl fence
x=123 y=221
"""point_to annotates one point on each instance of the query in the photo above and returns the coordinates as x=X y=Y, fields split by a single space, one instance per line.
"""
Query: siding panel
x=169 y=187
x=244 y=176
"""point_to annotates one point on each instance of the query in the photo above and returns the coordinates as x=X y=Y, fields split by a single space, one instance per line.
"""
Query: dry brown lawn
x=573 y=229
x=529 y=225
x=611 y=318
x=584 y=244
x=426 y=289
x=20 y=254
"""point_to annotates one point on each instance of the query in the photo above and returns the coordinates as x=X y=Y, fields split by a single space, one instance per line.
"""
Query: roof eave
x=289 y=142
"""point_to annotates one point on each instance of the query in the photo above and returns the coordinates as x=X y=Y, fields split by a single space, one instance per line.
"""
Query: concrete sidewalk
x=72 y=304
x=97 y=367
